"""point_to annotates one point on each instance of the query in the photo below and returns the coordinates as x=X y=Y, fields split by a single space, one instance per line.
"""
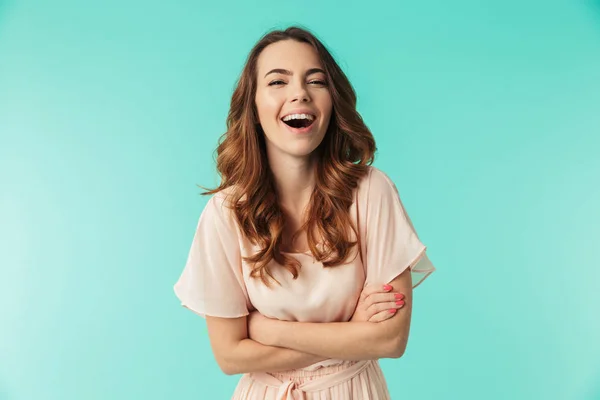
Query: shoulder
x=377 y=183
x=218 y=208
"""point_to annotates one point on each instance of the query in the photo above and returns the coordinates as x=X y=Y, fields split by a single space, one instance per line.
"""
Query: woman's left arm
x=342 y=340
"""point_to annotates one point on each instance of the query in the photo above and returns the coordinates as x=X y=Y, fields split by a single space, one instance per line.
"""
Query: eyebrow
x=288 y=72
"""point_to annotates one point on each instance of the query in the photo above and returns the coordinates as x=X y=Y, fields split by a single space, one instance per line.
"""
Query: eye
x=318 y=82
x=275 y=83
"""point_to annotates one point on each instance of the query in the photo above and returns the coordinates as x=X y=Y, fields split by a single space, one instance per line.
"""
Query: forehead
x=288 y=54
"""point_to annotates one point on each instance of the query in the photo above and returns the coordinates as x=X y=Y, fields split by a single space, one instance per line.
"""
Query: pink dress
x=214 y=267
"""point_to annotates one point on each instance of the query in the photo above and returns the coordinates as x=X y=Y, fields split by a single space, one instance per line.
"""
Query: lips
x=306 y=127
x=299 y=123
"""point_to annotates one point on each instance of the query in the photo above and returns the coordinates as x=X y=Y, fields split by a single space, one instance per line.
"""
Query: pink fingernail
x=399 y=296
x=387 y=287
x=399 y=303
x=392 y=310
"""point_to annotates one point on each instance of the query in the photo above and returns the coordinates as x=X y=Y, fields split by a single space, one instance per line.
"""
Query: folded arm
x=343 y=340
x=236 y=353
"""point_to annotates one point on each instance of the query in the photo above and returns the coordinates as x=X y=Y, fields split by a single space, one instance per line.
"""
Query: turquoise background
x=486 y=116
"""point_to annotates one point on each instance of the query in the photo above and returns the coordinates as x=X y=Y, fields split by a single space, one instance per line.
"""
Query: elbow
x=397 y=351
x=229 y=368
x=230 y=371
x=227 y=365
x=226 y=368
x=229 y=359
x=393 y=339
x=394 y=348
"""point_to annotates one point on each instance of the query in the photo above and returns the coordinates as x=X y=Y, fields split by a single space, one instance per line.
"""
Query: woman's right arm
x=237 y=354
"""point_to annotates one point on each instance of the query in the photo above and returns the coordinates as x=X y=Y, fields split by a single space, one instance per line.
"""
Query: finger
x=383 y=297
x=379 y=307
x=383 y=315
x=369 y=290
x=374 y=288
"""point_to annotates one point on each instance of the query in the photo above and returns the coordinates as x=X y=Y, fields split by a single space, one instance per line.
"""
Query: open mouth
x=299 y=122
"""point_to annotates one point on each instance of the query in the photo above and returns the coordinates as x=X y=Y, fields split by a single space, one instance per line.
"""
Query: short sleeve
x=212 y=281
x=392 y=244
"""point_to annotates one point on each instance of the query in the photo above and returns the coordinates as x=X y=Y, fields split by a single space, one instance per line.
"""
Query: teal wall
x=486 y=115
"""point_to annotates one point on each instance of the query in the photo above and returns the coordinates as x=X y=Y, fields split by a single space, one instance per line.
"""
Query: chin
x=300 y=152
x=293 y=148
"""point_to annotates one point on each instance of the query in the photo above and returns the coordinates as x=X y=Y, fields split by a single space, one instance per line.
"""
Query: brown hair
x=342 y=159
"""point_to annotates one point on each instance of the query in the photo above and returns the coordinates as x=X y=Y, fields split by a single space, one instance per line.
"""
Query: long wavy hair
x=342 y=158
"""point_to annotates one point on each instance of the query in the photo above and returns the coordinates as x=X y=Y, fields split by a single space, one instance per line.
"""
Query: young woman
x=304 y=259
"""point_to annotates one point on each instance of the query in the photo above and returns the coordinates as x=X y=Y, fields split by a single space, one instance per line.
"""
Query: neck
x=294 y=181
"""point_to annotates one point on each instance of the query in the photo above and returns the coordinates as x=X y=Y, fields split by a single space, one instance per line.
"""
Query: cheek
x=268 y=108
x=326 y=118
x=327 y=106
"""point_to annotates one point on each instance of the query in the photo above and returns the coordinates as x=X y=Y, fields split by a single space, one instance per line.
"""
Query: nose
x=300 y=94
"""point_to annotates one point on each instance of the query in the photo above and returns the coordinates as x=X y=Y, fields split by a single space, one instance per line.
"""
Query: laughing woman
x=304 y=259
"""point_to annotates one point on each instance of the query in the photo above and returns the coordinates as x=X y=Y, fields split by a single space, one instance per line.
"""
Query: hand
x=377 y=303
x=260 y=328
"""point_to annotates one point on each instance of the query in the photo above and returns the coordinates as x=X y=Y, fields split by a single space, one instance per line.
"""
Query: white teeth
x=299 y=116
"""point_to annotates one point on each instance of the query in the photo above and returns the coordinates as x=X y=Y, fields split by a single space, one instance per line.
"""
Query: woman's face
x=292 y=98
